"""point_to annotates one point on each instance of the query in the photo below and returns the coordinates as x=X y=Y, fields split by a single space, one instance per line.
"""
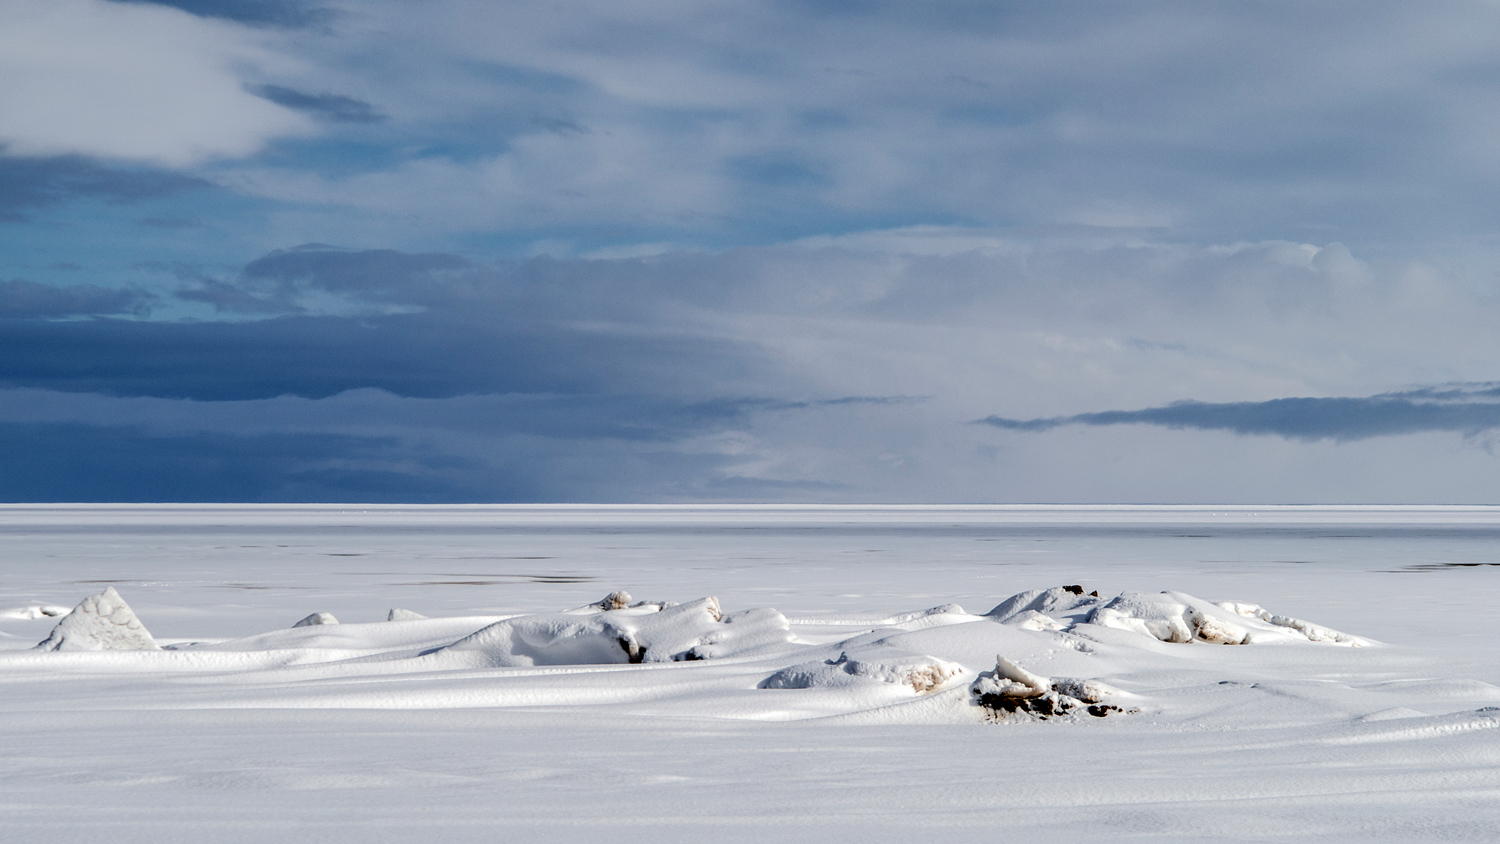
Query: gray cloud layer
x=334 y=107
x=1470 y=411
x=283 y=13
x=28 y=300
x=28 y=184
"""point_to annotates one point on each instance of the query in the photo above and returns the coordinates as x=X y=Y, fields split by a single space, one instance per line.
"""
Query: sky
x=780 y=251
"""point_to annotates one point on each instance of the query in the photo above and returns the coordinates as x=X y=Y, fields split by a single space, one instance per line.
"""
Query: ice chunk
x=398 y=614
x=1012 y=690
x=1011 y=680
x=102 y=622
x=316 y=619
x=883 y=664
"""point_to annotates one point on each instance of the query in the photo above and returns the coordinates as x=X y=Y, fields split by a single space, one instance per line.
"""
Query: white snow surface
x=801 y=674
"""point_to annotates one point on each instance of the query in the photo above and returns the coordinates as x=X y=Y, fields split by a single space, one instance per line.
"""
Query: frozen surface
x=818 y=674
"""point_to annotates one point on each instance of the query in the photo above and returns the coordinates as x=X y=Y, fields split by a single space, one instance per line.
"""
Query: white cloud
x=130 y=82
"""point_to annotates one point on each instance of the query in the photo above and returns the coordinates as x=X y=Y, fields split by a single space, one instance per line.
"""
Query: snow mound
x=102 y=622
x=1178 y=617
x=1059 y=602
x=316 y=619
x=631 y=634
x=1174 y=617
x=398 y=614
x=924 y=674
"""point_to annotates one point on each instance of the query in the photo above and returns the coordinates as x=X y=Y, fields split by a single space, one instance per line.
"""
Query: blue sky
x=274 y=250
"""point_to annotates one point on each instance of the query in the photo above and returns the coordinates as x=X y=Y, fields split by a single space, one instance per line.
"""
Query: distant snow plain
x=247 y=729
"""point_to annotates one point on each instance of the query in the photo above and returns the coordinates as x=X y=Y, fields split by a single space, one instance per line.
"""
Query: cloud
x=1465 y=410
x=840 y=369
x=370 y=445
x=81 y=462
x=132 y=82
x=286 y=13
x=333 y=107
x=764 y=122
x=28 y=184
x=21 y=299
x=407 y=354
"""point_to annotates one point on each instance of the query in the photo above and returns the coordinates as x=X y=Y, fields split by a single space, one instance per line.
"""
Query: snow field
x=843 y=714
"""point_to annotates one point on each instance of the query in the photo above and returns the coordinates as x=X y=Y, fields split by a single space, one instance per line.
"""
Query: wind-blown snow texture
x=813 y=699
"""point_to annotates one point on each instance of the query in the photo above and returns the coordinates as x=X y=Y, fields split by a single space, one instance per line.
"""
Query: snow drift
x=1046 y=654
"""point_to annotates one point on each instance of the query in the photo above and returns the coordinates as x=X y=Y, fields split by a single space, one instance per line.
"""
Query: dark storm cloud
x=422 y=355
x=281 y=13
x=27 y=184
x=21 y=299
x=369 y=445
x=1467 y=411
x=82 y=462
x=332 y=107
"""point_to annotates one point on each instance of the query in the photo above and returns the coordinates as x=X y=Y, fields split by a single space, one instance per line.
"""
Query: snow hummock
x=875 y=664
x=1102 y=655
x=102 y=622
x=1167 y=616
x=646 y=632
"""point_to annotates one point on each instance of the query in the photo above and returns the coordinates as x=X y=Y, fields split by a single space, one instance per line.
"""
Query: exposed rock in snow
x=398 y=614
x=878 y=664
x=619 y=600
x=639 y=633
x=102 y=622
x=316 y=619
x=1012 y=690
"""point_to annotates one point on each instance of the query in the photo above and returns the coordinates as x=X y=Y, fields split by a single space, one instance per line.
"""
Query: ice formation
x=1100 y=645
x=1167 y=616
x=102 y=622
x=644 y=632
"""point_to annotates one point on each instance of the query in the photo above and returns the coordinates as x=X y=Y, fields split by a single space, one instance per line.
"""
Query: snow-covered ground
x=776 y=673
